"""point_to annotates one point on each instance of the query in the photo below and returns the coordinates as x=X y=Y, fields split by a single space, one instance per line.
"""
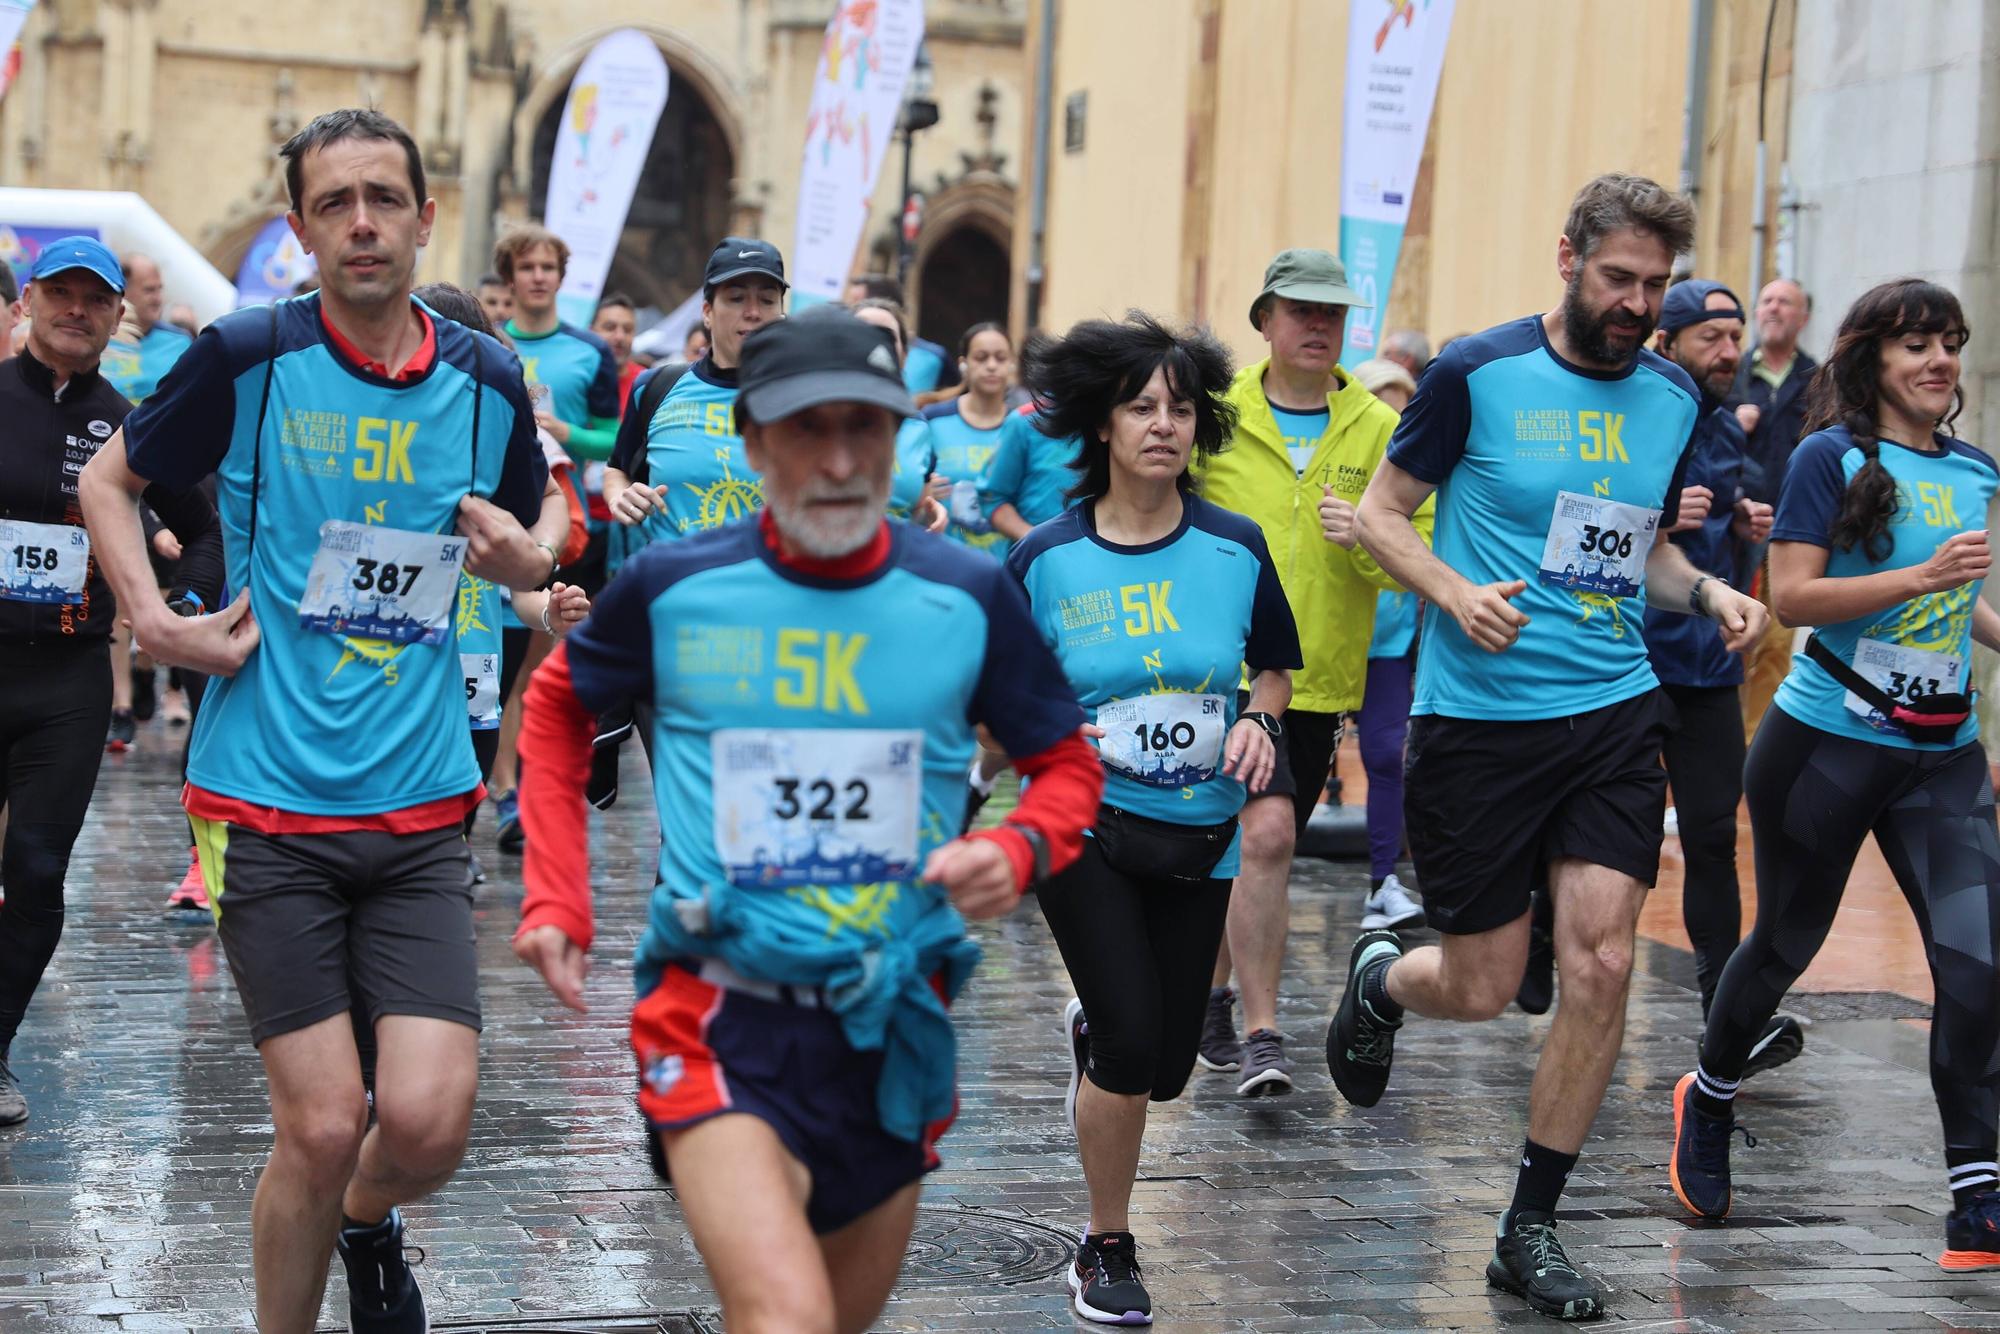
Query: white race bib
x=817 y=806
x=1597 y=545
x=965 y=511
x=1902 y=673
x=43 y=562
x=482 y=689
x=1163 y=740
x=382 y=583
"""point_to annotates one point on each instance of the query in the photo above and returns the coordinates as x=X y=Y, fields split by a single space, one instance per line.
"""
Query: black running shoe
x=382 y=1293
x=1972 y=1236
x=1219 y=1048
x=119 y=739
x=145 y=694
x=509 y=836
x=1528 y=1261
x=1105 y=1279
x=1360 y=1044
x=1538 y=980
x=13 y=1102
x=1782 y=1040
x=1699 y=1167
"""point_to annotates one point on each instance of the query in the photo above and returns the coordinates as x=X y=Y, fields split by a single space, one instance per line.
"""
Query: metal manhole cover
x=950 y=1247
x=1835 y=1006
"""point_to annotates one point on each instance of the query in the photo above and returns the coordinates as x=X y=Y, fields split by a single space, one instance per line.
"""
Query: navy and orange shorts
x=706 y=1049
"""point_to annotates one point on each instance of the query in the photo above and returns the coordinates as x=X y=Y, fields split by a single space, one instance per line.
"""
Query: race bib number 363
x=43 y=562
x=817 y=806
x=1902 y=673
x=1597 y=545
x=382 y=583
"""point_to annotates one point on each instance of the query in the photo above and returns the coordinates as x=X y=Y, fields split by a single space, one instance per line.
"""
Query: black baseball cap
x=741 y=256
x=821 y=355
x=1687 y=303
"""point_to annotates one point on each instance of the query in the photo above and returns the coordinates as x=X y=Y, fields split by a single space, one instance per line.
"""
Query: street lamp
x=919 y=112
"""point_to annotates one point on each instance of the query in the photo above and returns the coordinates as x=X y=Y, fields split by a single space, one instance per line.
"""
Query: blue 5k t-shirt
x=136 y=370
x=1031 y=471
x=916 y=460
x=1302 y=432
x=1554 y=474
x=964 y=456
x=1923 y=645
x=319 y=721
x=578 y=368
x=692 y=448
x=1154 y=638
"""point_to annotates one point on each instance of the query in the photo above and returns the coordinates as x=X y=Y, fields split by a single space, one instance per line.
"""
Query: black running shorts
x=1489 y=805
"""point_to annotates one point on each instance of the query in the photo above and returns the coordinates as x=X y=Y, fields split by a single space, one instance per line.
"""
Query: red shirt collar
x=419 y=364
x=855 y=564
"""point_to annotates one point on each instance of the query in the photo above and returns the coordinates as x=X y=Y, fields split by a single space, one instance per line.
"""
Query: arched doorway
x=963 y=281
x=682 y=205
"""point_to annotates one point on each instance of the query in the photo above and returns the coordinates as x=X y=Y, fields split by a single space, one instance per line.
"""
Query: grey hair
x=1618 y=200
x=1410 y=343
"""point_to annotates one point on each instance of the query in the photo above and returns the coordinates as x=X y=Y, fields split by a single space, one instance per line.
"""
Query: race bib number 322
x=1597 y=545
x=382 y=583
x=817 y=806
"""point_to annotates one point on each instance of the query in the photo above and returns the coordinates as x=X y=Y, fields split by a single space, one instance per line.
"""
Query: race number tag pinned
x=43 y=562
x=382 y=583
x=817 y=806
x=1597 y=545
x=482 y=689
x=1904 y=674
x=1172 y=740
x=965 y=511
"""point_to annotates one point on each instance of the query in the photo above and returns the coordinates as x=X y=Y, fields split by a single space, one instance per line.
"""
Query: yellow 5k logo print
x=1146 y=610
x=816 y=671
x=382 y=450
x=1601 y=432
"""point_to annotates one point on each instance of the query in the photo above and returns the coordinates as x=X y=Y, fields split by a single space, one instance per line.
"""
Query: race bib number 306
x=382 y=583
x=1597 y=545
x=1902 y=673
x=817 y=806
x=43 y=562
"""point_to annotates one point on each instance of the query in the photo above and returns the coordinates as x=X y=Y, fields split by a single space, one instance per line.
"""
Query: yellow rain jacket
x=1331 y=589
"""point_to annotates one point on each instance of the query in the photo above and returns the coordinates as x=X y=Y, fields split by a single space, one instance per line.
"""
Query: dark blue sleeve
x=1430 y=439
x=611 y=653
x=1274 y=636
x=1815 y=482
x=602 y=399
x=524 y=473
x=1023 y=696
x=628 y=450
x=180 y=434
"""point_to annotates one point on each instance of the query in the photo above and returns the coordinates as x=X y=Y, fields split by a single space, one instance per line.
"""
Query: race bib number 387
x=817 y=806
x=43 y=562
x=382 y=583
x=1597 y=545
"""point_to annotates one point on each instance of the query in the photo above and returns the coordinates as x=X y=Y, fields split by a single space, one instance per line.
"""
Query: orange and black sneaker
x=1699 y=1167
x=1972 y=1236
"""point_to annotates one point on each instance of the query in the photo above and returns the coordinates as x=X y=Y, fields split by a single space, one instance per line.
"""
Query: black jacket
x=45 y=439
x=1779 y=427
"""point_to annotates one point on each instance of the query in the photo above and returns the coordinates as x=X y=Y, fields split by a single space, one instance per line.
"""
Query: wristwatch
x=555 y=563
x=1272 y=727
x=1039 y=847
x=187 y=603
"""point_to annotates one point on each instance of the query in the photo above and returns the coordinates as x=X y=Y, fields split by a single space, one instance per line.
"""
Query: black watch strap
x=1272 y=727
x=1037 y=845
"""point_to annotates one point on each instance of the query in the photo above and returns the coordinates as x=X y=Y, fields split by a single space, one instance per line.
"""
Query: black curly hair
x=1846 y=391
x=1078 y=379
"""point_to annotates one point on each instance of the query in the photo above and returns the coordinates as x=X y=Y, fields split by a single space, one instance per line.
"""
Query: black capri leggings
x=1704 y=755
x=1140 y=955
x=1813 y=797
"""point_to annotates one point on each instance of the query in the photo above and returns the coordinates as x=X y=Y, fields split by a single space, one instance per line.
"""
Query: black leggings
x=1814 y=797
x=1140 y=955
x=1704 y=755
x=53 y=715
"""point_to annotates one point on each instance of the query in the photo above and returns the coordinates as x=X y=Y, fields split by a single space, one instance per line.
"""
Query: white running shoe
x=1391 y=908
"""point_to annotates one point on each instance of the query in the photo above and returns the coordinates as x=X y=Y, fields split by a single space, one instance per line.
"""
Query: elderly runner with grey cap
x=816 y=674
x=1308 y=438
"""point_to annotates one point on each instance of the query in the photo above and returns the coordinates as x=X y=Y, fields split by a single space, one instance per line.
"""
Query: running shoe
x=507 y=823
x=1972 y=1235
x=1076 y=1035
x=1391 y=908
x=1360 y=1044
x=191 y=894
x=123 y=730
x=1529 y=1261
x=475 y=870
x=1782 y=1040
x=13 y=1102
x=1538 y=979
x=1219 y=1049
x=382 y=1293
x=1699 y=1168
x=1105 y=1279
x=145 y=694
x=1266 y=1072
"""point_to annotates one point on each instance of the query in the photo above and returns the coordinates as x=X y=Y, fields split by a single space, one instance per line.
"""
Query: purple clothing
x=1384 y=720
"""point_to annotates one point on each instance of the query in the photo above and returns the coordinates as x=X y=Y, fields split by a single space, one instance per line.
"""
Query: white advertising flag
x=864 y=63
x=1395 y=50
x=601 y=145
x=13 y=15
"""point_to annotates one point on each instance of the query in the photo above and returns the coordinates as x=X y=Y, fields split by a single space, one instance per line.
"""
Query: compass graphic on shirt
x=729 y=499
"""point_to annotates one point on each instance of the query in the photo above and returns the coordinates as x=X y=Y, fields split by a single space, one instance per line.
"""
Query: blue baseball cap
x=79 y=252
x=1687 y=303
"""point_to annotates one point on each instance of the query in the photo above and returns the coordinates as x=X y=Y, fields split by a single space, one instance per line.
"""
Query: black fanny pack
x=1147 y=849
x=1921 y=717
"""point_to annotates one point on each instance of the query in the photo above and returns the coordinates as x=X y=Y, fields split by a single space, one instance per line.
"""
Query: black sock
x=1375 y=882
x=1972 y=1173
x=1539 y=1184
x=1375 y=991
x=1713 y=1095
x=350 y=1224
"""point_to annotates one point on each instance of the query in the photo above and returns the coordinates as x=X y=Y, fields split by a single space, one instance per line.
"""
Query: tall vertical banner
x=13 y=16
x=864 y=64
x=601 y=145
x=1395 y=50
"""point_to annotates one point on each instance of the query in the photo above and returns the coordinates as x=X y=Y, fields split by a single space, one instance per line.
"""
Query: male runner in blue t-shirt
x=1556 y=446
x=365 y=454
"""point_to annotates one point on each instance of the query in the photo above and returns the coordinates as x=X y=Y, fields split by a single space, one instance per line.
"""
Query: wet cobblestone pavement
x=124 y=1203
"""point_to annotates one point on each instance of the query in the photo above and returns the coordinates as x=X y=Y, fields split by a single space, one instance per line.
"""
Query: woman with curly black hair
x=1154 y=602
x=1880 y=544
